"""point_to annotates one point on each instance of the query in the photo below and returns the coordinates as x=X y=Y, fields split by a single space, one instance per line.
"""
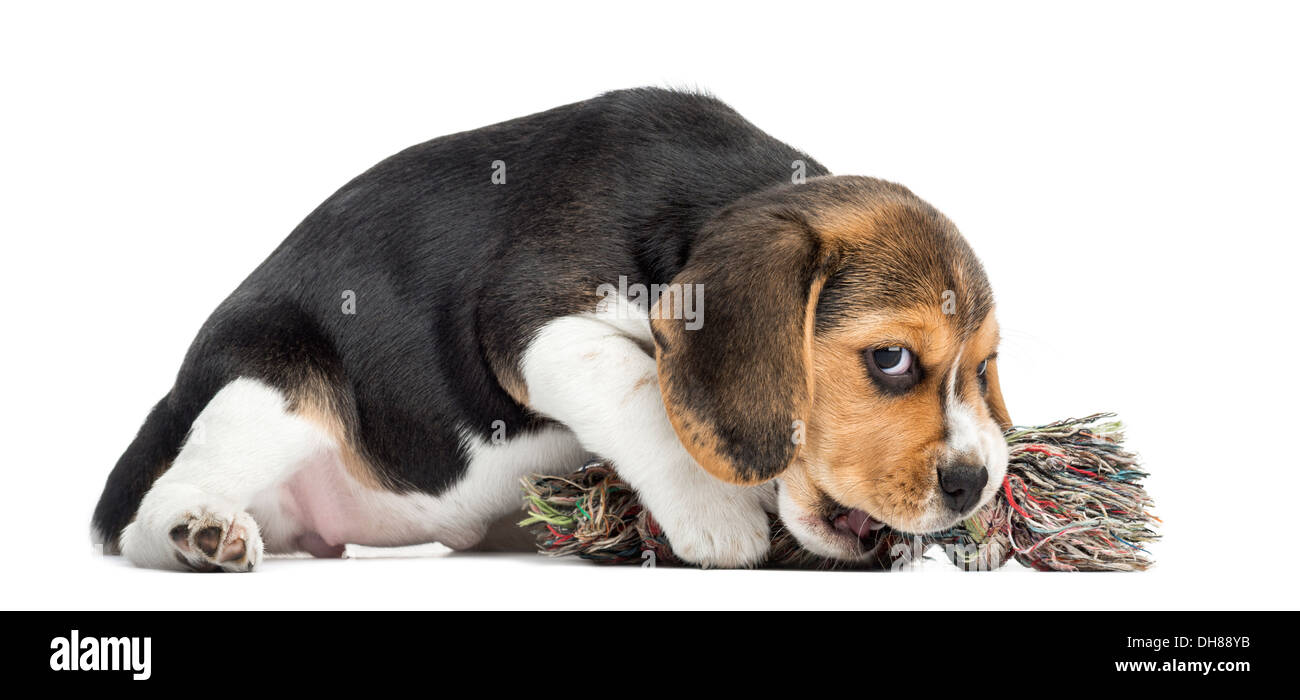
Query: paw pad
x=208 y=542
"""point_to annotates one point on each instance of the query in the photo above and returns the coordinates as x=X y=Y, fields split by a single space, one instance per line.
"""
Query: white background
x=1127 y=173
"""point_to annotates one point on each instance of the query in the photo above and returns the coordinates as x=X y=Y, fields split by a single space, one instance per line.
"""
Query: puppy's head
x=848 y=348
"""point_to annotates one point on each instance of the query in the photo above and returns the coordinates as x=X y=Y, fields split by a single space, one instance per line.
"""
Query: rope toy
x=1072 y=500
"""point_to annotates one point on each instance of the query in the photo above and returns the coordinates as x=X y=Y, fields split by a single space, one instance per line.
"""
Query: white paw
x=208 y=540
x=729 y=532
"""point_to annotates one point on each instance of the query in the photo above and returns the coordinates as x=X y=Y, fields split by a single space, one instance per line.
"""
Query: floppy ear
x=997 y=407
x=735 y=385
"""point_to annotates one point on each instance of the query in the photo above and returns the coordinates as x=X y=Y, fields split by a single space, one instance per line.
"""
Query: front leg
x=597 y=378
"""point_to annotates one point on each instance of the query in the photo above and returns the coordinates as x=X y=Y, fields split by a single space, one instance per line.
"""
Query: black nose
x=961 y=485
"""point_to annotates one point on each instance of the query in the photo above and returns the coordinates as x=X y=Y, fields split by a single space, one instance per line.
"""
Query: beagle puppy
x=645 y=277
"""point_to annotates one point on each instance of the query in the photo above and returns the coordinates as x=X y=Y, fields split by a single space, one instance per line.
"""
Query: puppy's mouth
x=857 y=527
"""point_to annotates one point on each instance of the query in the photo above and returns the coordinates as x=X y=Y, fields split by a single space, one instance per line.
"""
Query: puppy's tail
x=150 y=454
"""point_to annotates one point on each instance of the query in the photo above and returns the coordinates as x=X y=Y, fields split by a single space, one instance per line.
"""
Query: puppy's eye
x=894 y=369
x=983 y=366
x=893 y=360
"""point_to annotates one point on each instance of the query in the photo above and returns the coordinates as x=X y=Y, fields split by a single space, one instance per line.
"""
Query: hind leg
x=181 y=526
x=195 y=517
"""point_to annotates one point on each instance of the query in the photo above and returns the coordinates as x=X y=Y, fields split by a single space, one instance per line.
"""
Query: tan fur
x=997 y=406
x=879 y=452
x=314 y=402
x=513 y=384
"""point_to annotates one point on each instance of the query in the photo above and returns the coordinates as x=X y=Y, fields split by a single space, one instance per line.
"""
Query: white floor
x=432 y=577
